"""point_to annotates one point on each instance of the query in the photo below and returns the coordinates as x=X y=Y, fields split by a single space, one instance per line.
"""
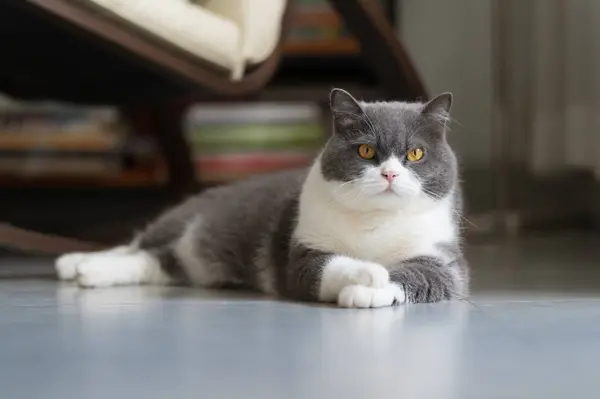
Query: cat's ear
x=342 y=101
x=439 y=106
x=345 y=109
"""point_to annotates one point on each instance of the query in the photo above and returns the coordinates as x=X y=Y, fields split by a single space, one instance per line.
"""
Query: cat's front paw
x=342 y=271
x=371 y=275
x=360 y=296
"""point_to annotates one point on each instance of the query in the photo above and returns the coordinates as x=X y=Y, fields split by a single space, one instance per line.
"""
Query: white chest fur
x=382 y=237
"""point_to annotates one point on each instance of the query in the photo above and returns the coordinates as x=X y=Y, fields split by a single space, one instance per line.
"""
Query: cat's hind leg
x=118 y=269
x=66 y=265
x=122 y=265
x=146 y=260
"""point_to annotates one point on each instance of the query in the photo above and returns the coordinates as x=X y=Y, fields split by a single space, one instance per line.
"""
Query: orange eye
x=415 y=154
x=366 y=151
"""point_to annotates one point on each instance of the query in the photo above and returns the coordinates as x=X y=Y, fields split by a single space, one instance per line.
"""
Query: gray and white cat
x=374 y=222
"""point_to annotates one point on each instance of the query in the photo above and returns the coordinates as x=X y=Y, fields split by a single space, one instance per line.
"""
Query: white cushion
x=259 y=22
x=227 y=33
x=196 y=30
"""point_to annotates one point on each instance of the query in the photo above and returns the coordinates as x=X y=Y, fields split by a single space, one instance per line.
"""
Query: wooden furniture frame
x=89 y=57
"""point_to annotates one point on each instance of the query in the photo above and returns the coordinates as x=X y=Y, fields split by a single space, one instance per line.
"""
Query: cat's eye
x=415 y=154
x=366 y=151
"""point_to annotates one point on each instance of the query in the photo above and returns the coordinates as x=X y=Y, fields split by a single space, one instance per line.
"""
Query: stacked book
x=49 y=139
x=55 y=142
x=316 y=28
x=235 y=141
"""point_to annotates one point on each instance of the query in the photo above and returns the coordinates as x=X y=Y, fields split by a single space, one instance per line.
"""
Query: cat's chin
x=367 y=196
x=398 y=198
x=390 y=197
x=402 y=195
x=382 y=200
x=397 y=193
x=389 y=194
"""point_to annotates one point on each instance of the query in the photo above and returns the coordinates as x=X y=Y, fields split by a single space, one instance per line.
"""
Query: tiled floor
x=531 y=330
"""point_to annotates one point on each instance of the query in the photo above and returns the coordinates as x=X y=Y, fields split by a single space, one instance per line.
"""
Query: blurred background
x=87 y=149
x=112 y=110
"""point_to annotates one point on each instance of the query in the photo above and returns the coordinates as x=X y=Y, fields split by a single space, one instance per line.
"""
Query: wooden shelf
x=345 y=46
x=128 y=179
x=58 y=142
x=324 y=18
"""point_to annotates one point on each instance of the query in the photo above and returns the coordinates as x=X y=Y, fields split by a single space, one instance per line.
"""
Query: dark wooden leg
x=165 y=122
x=168 y=127
x=382 y=48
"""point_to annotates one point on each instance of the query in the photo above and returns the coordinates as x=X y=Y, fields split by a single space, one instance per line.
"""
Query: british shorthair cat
x=373 y=222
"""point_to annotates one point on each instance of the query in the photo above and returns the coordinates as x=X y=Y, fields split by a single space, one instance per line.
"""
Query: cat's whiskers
x=351 y=196
x=431 y=194
x=409 y=187
x=341 y=186
x=343 y=190
x=434 y=196
x=359 y=194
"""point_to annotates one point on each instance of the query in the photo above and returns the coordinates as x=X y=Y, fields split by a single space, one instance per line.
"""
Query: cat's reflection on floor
x=412 y=350
x=407 y=349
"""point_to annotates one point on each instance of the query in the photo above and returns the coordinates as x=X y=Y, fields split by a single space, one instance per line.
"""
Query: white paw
x=97 y=271
x=359 y=296
x=119 y=269
x=66 y=265
x=371 y=275
x=342 y=271
x=107 y=271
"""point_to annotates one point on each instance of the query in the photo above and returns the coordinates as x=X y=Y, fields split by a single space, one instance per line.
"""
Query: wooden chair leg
x=168 y=127
x=165 y=122
x=382 y=49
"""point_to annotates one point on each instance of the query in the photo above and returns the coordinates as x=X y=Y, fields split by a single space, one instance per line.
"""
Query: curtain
x=549 y=59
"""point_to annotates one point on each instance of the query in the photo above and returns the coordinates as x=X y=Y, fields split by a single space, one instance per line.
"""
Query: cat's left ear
x=438 y=106
x=342 y=102
x=347 y=112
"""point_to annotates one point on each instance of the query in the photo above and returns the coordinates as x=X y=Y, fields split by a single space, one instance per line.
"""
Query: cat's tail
x=16 y=238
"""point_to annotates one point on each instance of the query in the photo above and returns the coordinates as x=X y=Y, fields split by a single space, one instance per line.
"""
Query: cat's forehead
x=393 y=117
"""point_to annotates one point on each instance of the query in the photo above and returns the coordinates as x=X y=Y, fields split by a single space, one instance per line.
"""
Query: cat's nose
x=389 y=175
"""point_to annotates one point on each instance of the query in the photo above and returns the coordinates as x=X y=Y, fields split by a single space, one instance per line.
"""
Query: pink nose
x=389 y=176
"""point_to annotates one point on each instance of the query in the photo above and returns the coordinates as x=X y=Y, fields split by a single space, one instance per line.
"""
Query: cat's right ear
x=345 y=109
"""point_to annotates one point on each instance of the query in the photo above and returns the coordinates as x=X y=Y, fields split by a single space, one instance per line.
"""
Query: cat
x=374 y=222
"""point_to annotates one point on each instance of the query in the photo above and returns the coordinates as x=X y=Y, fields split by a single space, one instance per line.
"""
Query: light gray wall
x=450 y=42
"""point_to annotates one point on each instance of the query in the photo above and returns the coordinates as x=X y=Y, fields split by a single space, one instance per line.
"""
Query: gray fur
x=242 y=234
x=236 y=224
x=434 y=279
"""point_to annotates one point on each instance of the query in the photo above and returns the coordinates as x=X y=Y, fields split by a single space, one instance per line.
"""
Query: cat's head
x=384 y=155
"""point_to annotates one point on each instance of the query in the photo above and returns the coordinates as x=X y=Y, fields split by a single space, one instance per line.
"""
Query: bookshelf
x=59 y=145
x=42 y=147
x=122 y=179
